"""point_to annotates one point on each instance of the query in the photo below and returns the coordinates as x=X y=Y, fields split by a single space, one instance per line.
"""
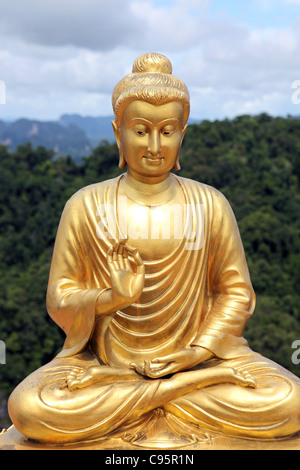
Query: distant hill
x=72 y=134
x=64 y=140
x=96 y=129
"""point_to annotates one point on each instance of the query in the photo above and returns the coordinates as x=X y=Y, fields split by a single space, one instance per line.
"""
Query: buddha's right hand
x=127 y=278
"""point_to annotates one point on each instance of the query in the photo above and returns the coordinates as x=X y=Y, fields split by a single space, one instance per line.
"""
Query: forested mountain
x=62 y=139
x=72 y=134
x=95 y=128
x=254 y=161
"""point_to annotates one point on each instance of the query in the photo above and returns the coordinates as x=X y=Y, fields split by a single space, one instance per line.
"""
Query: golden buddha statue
x=150 y=284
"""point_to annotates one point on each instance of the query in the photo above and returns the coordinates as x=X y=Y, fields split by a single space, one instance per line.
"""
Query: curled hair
x=151 y=80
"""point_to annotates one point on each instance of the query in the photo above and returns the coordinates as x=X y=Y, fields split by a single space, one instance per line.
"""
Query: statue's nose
x=154 y=142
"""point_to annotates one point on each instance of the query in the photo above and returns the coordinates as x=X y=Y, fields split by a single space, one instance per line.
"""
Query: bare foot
x=97 y=374
x=236 y=376
x=82 y=379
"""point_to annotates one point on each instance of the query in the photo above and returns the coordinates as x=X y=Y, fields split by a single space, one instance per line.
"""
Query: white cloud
x=200 y=5
x=50 y=106
x=83 y=23
x=61 y=56
x=166 y=28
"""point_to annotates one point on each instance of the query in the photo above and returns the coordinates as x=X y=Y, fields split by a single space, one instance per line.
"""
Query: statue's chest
x=154 y=230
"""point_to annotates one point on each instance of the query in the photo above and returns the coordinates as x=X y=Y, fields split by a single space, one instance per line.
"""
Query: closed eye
x=140 y=130
x=168 y=130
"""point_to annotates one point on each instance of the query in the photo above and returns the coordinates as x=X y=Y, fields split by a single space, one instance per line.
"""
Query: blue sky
x=259 y=13
x=236 y=57
x=255 y=13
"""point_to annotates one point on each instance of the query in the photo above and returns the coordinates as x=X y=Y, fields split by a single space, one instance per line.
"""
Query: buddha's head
x=151 y=108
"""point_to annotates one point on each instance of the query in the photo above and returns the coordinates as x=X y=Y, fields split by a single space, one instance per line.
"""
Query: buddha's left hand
x=181 y=360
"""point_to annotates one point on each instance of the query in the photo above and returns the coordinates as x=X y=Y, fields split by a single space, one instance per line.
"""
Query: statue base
x=162 y=432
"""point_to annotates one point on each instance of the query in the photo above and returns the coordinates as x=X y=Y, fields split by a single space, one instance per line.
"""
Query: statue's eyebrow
x=145 y=121
x=169 y=120
x=140 y=119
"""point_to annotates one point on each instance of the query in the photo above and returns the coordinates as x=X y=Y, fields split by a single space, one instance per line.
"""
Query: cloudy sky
x=65 y=56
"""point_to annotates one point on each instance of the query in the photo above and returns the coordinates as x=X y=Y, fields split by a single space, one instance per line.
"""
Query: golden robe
x=192 y=296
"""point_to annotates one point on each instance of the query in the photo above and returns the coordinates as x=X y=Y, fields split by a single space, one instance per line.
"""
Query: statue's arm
x=231 y=292
x=72 y=300
x=67 y=290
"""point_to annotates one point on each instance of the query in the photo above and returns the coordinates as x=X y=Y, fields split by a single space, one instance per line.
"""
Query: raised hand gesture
x=127 y=277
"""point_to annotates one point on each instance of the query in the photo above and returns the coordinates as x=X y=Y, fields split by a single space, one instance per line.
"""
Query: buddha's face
x=150 y=137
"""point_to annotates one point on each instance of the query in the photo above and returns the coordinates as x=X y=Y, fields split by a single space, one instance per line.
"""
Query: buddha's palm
x=127 y=278
x=181 y=360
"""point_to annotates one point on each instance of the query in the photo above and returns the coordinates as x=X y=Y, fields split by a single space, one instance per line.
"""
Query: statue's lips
x=153 y=160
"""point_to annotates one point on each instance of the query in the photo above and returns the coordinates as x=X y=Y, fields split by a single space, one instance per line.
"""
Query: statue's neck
x=150 y=193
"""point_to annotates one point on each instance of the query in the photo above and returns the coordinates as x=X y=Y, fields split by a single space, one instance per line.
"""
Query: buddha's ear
x=183 y=132
x=116 y=129
x=177 y=166
x=117 y=133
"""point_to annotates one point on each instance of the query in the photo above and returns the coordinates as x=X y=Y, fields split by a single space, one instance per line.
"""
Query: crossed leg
x=75 y=400
x=269 y=411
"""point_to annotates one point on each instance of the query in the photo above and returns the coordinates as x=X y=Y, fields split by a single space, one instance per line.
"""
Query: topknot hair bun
x=152 y=81
x=152 y=62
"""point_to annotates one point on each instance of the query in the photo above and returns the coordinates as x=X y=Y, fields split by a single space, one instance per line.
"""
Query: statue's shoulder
x=204 y=190
x=93 y=191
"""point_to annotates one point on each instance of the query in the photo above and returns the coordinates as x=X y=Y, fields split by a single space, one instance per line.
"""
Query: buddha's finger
x=111 y=263
x=137 y=367
x=115 y=257
x=126 y=260
x=131 y=250
x=120 y=249
x=168 y=369
x=156 y=373
x=120 y=257
x=109 y=255
x=169 y=358
x=140 y=267
x=137 y=258
x=148 y=370
x=138 y=262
